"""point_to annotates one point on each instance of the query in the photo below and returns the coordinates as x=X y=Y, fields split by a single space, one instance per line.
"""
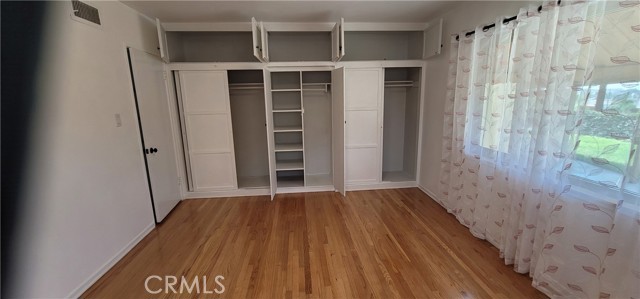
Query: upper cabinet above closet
x=290 y=42
x=258 y=41
x=370 y=41
x=199 y=43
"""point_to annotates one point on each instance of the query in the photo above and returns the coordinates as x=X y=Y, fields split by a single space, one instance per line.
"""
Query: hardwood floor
x=372 y=244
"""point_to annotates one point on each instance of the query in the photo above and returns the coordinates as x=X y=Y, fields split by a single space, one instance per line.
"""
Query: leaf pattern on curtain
x=515 y=105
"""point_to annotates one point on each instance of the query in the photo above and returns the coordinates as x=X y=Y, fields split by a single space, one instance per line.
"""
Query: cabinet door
x=337 y=95
x=207 y=113
x=337 y=41
x=273 y=179
x=363 y=126
x=432 y=39
x=265 y=43
x=162 y=40
x=257 y=39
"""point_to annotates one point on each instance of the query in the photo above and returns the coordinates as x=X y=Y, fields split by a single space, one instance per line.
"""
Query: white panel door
x=363 y=125
x=362 y=165
x=152 y=102
x=273 y=179
x=363 y=89
x=207 y=113
x=337 y=95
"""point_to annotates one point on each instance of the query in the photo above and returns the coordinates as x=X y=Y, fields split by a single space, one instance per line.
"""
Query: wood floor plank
x=395 y=243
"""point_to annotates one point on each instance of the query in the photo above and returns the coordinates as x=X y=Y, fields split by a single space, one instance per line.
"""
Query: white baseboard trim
x=428 y=192
x=286 y=190
x=382 y=185
x=229 y=193
x=110 y=263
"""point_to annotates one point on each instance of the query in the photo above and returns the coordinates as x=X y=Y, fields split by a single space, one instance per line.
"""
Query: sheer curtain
x=516 y=169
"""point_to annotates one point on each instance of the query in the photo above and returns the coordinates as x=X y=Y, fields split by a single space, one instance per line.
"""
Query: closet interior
x=248 y=116
x=401 y=120
x=299 y=46
x=383 y=45
x=210 y=46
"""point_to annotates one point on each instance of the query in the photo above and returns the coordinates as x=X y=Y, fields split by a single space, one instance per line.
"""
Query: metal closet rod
x=245 y=86
x=505 y=21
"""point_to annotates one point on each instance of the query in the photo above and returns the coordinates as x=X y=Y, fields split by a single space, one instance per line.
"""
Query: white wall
x=465 y=16
x=86 y=192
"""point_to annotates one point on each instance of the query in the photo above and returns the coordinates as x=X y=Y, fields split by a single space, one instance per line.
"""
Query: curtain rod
x=505 y=21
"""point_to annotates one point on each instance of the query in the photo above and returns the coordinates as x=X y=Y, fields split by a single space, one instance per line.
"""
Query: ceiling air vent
x=86 y=12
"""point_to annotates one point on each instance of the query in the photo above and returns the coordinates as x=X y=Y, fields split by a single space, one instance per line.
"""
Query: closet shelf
x=291 y=182
x=289 y=147
x=289 y=165
x=319 y=180
x=399 y=84
x=287 y=129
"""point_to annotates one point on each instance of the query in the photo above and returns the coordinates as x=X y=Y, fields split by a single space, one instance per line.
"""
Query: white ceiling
x=291 y=11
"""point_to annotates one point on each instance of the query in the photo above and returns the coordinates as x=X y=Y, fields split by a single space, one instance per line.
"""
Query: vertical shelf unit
x=288 y=128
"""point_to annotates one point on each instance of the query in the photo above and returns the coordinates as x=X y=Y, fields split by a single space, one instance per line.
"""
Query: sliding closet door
x=207 y=112
x=363 y=127
x=273 y=178
x=337 y=89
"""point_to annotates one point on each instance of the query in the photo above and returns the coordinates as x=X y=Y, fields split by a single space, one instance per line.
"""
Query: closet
x=268 y=107
x=381 y=131
x=246 y=97
x=401 y=120
x=224 y=129
x=301 y=106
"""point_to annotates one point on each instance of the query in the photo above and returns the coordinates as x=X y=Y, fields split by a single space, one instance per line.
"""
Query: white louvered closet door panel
x=205 y=96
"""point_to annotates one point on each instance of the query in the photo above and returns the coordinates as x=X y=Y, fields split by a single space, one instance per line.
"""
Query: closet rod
x=245 y=87
x=325 y=89
x=242 y=86
x=404 y=83
x=400 y=85
x=505 y=21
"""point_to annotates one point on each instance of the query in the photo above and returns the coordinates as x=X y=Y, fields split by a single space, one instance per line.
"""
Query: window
x=608 y=137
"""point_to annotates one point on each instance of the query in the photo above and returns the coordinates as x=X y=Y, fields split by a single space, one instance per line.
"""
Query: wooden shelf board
x=287 y=129
x=289 y=165
x=289 y=147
